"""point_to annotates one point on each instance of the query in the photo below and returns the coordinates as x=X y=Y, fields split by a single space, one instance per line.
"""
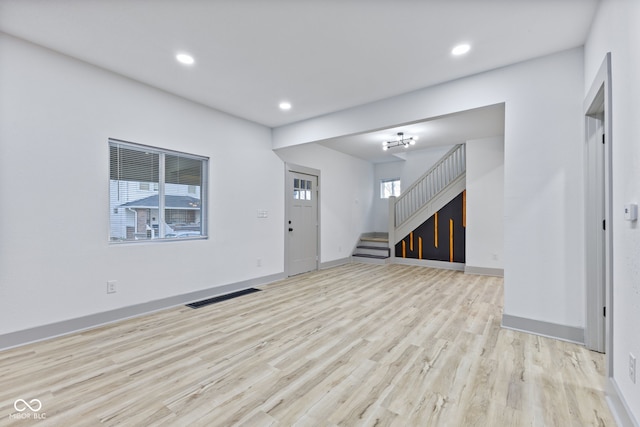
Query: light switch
x=631 y=212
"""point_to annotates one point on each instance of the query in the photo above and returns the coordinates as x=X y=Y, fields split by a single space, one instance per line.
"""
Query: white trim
x=444 y=265
x=156 y=149
x=335 y=263
x=484 y=271
x=572 y=334
x=618 y=406
x=161 y=196
x=600 y=94
x=65 y=327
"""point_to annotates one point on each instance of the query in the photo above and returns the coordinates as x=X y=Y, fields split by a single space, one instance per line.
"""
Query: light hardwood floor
x=353 y=345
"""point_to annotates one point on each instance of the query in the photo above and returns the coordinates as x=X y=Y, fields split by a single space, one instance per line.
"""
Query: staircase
x=373 y=248
x=432 y=191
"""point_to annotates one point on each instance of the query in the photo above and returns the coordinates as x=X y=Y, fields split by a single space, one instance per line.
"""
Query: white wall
x=616 y=30
x=346 y=196
x=485 y=203
x=414 y=165
x=380 y=207
x=543 y=171
x=419 y=161
x=56 y=116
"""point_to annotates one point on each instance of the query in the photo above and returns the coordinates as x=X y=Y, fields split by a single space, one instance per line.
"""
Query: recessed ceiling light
x=285 y=105
x=461 y=49
x=184 y=58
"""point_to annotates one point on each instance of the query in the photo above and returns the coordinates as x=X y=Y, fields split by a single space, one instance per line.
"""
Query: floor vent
x=214 y=300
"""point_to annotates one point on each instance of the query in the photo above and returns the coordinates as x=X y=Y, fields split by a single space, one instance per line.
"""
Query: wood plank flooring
x=356 y=345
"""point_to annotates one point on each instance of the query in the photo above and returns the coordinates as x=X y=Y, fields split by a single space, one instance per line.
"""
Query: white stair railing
x=445 y=171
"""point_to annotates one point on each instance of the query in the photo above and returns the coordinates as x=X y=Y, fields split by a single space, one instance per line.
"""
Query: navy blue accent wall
x=454 y=210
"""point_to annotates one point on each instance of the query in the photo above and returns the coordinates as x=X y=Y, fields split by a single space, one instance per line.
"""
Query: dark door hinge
x=604 y=311
x=603 y=138
x=604 y=224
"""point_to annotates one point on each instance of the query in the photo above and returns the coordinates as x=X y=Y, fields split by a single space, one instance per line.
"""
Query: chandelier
x=400 y=141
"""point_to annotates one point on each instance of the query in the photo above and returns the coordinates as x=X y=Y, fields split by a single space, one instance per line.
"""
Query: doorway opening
x=598 y=224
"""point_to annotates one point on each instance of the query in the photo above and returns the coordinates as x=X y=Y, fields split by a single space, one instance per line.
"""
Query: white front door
x=302 y=224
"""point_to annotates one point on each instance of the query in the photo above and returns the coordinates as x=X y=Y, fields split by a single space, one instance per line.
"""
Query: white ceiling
x=446 y=130
x=321 y=55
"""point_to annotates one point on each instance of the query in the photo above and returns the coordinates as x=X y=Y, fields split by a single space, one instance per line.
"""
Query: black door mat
x=214 y=300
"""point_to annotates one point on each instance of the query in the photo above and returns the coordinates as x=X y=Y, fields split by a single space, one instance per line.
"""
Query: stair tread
x=378 y=248
x=375 y=239
x=371 y=256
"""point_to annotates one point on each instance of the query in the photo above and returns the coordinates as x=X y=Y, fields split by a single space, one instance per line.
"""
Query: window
x=389 y=187
x=301 y=189
x=155 y=194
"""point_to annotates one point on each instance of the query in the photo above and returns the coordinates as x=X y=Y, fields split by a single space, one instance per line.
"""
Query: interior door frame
x=595 y=230
x=291 y=167
x=597 y=111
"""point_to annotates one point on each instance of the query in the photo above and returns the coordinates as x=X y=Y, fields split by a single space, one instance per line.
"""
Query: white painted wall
x=380 y=207
x=485 y=203
x=346 y=196
x=616 y=30
x=56 y=116
x=419 y=161
x=544 y=238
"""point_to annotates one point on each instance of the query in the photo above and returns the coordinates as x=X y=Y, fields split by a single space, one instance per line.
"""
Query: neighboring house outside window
x=389 y=187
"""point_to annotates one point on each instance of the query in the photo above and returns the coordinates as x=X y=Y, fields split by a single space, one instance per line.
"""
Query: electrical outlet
x=111 y=286
x=632 y=368
x=259 y=262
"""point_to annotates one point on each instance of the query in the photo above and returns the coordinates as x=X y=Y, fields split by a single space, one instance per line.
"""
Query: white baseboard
x=618 y=406
x=546 y=329
x=428 y=263
x=484 y=271
x=335 y=263
x=40 y=333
